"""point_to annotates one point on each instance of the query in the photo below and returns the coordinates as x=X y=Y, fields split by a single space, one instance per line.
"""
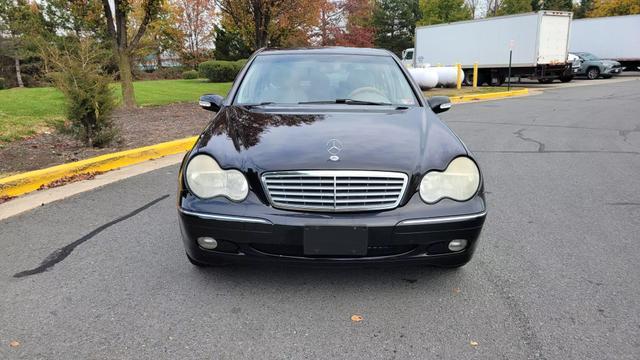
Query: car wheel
x=452 y=266
x=196 y=262
x=566 y=79
x=593 y=73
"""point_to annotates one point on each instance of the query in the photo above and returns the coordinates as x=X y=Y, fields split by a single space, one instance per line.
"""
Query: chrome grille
x=333 y=191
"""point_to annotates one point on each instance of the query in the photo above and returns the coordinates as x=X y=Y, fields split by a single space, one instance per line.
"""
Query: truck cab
x=407 y=57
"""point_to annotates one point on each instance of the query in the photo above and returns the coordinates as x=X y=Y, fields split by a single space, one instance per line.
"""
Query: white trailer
x=614 y=37
x=539 y=42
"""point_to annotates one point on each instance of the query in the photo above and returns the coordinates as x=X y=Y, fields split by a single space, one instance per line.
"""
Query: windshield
x=313 y=78
x=588 y=56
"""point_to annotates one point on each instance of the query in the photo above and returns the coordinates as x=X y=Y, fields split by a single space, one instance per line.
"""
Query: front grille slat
x=288 y=181
x=300 y=200
x=334 y=191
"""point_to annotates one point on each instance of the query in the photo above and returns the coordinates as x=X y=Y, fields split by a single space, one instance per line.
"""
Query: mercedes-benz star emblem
x=334 y=146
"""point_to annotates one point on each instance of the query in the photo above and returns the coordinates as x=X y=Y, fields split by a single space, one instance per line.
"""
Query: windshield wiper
x=258 y=104
x=345 y=101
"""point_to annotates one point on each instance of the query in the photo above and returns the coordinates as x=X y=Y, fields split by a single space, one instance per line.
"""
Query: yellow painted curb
x=26 y=182
x=488 y=96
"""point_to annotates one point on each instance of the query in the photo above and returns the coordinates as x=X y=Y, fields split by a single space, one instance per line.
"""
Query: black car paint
x=256 y=139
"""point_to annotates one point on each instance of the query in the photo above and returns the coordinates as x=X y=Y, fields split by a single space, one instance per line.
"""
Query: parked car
x=329 y=155
x=585 y=63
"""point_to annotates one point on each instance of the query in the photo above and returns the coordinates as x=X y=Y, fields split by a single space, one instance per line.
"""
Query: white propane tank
x=426 y=78
x=448 y=75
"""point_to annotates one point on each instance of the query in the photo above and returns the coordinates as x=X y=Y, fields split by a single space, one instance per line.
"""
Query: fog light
x=207 y=242
x=457 y=245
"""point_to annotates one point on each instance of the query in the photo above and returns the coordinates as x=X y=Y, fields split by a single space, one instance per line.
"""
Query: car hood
x=270 y=138
x=610 y=63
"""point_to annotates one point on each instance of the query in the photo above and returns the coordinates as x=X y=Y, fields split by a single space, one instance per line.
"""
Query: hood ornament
x=334 y=146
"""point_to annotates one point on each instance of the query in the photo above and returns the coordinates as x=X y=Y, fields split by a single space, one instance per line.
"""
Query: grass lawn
x=466 y=90
x=24 y=112
x=162 y=92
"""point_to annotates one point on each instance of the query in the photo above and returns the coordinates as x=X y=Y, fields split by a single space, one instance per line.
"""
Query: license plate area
x=335 y=240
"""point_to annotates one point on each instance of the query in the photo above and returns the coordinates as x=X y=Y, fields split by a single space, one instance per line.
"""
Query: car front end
x=320 y=183
x=610 y=67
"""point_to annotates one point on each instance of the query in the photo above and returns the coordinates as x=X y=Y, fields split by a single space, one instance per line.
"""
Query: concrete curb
x=26 y=182
x=488 y=96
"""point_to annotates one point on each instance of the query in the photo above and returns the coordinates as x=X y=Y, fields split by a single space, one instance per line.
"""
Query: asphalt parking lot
x=556 y=275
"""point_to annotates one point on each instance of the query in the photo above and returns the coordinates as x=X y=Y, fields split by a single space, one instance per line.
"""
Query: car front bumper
x=251 y=231
x=612 y=71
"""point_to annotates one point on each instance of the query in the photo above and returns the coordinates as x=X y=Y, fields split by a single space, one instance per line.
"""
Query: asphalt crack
x=534 y=125
x=625 y=133
x=624 y=203
x=516 y=311
x=61 y=253
x=520 y=136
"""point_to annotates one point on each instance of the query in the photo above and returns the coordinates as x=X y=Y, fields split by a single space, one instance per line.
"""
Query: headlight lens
x=206 y=179
x=459 y=181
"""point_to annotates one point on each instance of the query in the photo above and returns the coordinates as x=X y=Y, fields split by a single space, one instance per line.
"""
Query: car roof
x=333 y=50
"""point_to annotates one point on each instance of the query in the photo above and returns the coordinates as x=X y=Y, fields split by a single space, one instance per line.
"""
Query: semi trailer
x=535 y=44
x=612 y=38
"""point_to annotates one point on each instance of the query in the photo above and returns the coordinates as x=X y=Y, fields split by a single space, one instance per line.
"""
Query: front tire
x=566 y=79
x=593 y=73
x=196 y=263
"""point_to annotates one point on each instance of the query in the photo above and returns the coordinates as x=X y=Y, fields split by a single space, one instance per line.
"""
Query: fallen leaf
x=5 y=198
x=14 y=343
x=473 y=343
x=456 y=290
x=69 y=179
x=356 y=318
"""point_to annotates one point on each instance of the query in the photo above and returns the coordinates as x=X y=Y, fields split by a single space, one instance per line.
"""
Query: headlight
x=459 y=181
x=206 y=179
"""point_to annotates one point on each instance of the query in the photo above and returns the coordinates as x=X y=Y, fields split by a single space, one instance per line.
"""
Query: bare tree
x=196 y=22
x=473 y=6
x=117 y=29
x=492 y=7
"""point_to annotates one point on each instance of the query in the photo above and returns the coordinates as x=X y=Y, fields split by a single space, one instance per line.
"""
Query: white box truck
x=613 y=38
x=539 y=42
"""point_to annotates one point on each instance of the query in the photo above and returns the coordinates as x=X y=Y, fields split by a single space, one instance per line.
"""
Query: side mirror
x=211 y=102
x=439 y=104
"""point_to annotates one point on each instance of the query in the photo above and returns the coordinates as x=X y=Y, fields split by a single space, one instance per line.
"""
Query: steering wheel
x=369 y=93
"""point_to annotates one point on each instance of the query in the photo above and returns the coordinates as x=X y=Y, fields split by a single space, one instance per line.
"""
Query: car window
x=409 y=55
x=294 y=79
x=588 y=56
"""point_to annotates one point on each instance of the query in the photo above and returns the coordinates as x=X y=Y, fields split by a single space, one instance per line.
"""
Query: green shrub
x=3 y=83
x=191 y=74
x=221 y=70
x=89 y=101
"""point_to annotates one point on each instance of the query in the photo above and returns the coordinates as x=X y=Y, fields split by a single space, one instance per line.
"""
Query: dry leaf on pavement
x=14 y=343
x=473 y=343
x=356 y=318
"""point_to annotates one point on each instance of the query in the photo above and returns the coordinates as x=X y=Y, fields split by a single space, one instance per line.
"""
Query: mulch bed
x=138 y=127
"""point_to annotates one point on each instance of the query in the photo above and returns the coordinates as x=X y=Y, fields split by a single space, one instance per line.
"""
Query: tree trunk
x=126 y=80
x=159 y=59
x=18 y=72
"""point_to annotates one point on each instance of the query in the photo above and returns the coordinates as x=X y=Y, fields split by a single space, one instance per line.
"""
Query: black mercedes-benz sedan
x=329 y=155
